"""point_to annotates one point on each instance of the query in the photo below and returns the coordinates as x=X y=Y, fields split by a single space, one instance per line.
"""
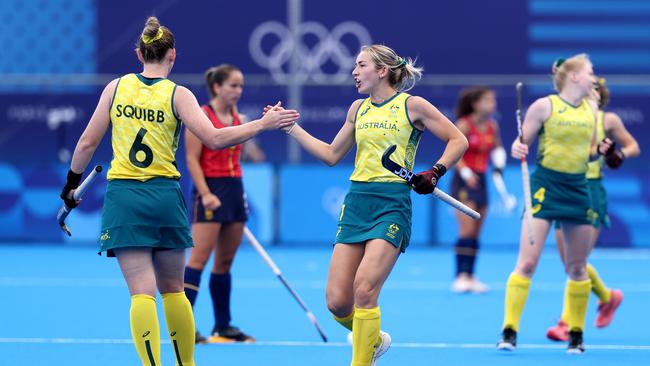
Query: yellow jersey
x=565 y=138
x=595 y=168
x=377 y=127
x=145 y=129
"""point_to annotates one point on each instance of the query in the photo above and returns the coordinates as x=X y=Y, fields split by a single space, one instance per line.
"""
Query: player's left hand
x=613 y=157
x=429 y=179
x=72 y=183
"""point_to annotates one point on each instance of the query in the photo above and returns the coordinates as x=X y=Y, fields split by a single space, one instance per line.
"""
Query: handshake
x=278 y=108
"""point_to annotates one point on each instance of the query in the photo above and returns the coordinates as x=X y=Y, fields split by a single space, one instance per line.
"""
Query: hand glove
x=72 y=182
x=428 y=179
x=613 y=157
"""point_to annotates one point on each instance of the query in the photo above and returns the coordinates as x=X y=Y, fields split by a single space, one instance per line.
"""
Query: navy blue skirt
x=462 y=192
x=230 y=192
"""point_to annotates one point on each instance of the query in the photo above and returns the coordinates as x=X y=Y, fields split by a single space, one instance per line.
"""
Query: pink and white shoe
x=559 y=332
x=606 y=310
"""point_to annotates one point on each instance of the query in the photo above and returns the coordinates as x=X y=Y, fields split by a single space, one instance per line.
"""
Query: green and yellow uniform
x=560 y=193
x=378 y=204
x=144 y=205
x=558 y=185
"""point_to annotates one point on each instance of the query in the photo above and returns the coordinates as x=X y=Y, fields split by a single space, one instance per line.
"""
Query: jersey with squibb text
x=595 y=168
x=145 y=129
x=566 y=136
x=377 y=127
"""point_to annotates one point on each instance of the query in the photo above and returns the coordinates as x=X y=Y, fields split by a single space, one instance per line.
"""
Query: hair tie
x=557 y=63
x=148 y=40
x=402 y=63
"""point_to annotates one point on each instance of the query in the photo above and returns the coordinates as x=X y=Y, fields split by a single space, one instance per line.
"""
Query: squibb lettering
x=148 y=115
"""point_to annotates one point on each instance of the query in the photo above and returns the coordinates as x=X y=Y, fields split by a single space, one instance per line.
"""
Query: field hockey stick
x=525 y=178
x=64 y=211
x=413 y=180
x=265 y=256
x=509 y=201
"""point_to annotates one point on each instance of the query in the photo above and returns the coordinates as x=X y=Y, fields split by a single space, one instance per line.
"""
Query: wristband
x=72 y=180
x=465 y=173
x=291 y=129
x=441 y=169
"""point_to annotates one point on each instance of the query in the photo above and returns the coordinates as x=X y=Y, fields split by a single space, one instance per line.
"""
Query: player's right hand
x=210 y=201
x=518 y=150
x=276 y=118
x=429 y=179
x=469 y=177
x=277 y=106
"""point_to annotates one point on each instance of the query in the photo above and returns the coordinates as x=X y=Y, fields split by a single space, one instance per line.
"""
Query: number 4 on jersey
x=539 y=195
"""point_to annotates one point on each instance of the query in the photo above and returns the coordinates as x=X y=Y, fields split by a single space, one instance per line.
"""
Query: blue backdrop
x=86 y=41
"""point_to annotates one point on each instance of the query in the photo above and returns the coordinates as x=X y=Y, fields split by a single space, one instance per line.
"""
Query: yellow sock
x=565 y=305
x=345 y=321
x=365 y=335
x=516 y=295
x=145 y=329
x=578 y=298
x=597 y=285
x=180 y=323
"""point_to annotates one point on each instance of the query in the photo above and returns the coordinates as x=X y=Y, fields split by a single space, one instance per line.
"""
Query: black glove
x=613 y=157
x=429 y=179
x=72 y=182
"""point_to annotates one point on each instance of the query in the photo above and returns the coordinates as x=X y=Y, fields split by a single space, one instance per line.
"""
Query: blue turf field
x=67 y=306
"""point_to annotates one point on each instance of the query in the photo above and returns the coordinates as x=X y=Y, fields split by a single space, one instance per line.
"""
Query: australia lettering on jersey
x=378 y=125
x=575 y=124
x=148 y=115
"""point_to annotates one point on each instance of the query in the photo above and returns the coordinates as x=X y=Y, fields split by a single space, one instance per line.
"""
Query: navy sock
x=471 y=261
x=220 y=285
x=191 y=283
x=466 y=249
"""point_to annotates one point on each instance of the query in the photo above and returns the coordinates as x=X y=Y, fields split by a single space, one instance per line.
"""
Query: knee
x=338 y=304
x=142 y=285
x=223 y=265
x=198 y=261
x=170 y=286
x=365 y=294
x=527 y=267
x=151 y=291
x=577 y=271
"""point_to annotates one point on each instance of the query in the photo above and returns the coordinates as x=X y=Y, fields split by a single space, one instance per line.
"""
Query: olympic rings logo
x=328 y=49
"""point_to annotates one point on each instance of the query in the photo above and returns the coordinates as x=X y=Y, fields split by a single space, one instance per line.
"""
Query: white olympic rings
x=328 y=49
